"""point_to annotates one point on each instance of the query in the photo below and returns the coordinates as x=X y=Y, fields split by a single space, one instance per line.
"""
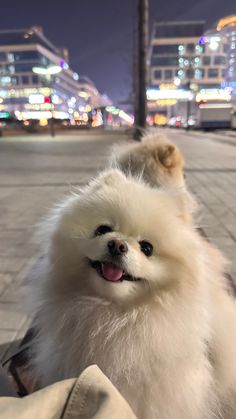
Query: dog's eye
x=146 y=248
x=103 y=229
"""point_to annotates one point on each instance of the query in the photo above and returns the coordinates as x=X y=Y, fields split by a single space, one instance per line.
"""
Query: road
x=37 y=171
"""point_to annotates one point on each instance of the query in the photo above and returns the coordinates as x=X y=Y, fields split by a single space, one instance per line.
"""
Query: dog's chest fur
x=148 y=355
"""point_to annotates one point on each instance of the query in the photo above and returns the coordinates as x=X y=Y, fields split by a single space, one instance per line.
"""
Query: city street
x=36 y=171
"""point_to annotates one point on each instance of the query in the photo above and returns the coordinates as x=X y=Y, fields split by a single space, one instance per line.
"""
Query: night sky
x=99 y=33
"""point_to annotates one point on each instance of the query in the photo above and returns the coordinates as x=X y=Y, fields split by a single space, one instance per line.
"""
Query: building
x=221 y=39
x=36 y=81
x=225 y=29
x=183 y=62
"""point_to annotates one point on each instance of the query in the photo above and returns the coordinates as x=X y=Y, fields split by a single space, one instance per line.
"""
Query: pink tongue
x=111 y=272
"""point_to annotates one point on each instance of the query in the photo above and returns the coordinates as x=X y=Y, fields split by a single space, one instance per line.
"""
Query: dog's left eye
x=146 y=248
x=103 y=229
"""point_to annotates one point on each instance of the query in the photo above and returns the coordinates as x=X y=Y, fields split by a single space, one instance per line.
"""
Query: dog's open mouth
x=111 y=272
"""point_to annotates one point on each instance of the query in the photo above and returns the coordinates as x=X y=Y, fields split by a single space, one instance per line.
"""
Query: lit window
x=10 y=57
x=199 y=73
x=11 y=69
x=5 y=81
x=197 y=62
x=181 y=62
x=181 y=74
x=181 y=49
x=199 y=49
x=8 y=81
x=214 y=43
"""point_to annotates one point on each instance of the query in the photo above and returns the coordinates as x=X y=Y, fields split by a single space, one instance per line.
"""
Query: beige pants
x=90 y=396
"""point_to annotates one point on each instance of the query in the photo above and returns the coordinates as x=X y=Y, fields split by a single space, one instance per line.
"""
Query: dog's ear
x=168 y=155
x=109 y=178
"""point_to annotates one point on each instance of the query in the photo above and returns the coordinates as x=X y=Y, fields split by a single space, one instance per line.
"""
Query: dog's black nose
x=117 y=247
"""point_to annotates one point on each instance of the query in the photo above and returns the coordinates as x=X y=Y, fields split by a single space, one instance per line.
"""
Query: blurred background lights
x=213 y=45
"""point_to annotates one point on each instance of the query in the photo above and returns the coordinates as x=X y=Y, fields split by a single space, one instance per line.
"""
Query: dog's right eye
x=103 y=229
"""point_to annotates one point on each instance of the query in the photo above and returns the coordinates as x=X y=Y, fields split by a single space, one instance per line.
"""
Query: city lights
x=83 y=94
x=200 y=65
x=39 y=79
x=64 y=65
x=213 y=45
x=179 y=94
x=127 y=118
x=202 y=40
x=177 y=81
x=213 y=95
x=55 y=69
x=215 y=106
x=35 y=115
x=75 y=76
x=166 y=102
x=226 y=21
x=36 y=99
x=4 y=115
x=43 y=122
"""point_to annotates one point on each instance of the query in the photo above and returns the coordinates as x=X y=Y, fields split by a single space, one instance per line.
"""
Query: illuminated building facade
x=184 y=62
x=226 y=30
x=176 y=53
x=36 y=81
x=222 y=40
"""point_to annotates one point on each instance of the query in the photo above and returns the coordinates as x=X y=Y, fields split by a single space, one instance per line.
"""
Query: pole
x=141 y=85
x=134 y=74
x=52 y=127
x=188 y=108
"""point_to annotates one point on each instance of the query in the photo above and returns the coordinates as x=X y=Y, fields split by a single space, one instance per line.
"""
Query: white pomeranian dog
x=126 y=284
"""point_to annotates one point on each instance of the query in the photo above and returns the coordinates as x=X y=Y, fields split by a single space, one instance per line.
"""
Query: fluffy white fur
x=163 y=341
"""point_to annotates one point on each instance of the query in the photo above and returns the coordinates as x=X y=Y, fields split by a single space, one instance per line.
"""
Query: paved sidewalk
x=211 y=176
x=37 y=172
